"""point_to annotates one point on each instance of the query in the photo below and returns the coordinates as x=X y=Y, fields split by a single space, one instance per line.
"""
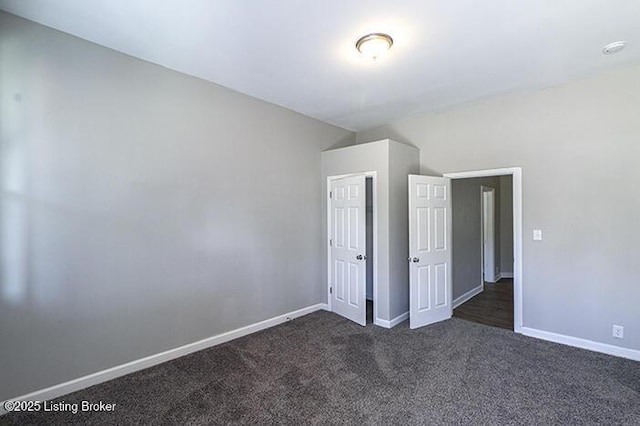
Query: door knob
x=360 y=257
x=415 y=260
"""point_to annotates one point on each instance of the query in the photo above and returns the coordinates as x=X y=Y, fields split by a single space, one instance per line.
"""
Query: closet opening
x=352 y=253
x=369 y=247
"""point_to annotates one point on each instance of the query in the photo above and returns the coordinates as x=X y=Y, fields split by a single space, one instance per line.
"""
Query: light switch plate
x=537 y=234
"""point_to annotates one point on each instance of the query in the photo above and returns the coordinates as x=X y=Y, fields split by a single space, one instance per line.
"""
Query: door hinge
x=330 y=242
x=330 y=290
x=330 y=194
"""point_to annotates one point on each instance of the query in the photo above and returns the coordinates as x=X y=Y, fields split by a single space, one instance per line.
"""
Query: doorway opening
x=352 y=246
x=487 y=247
x=369 y=248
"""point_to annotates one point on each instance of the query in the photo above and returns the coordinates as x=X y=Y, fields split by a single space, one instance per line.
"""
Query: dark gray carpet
x=322 y=369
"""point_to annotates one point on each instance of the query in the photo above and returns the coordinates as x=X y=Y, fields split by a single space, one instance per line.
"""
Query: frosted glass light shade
x=374 y=45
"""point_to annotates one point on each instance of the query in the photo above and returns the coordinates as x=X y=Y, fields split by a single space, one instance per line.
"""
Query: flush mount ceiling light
x=614 y=47
x=374 y=45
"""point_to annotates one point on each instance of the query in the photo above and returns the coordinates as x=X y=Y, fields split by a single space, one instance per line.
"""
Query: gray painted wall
x=142 y=209
x=403 y=161
x=578 y=147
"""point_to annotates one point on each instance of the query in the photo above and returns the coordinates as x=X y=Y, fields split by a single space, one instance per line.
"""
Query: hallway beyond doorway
x=494 y=306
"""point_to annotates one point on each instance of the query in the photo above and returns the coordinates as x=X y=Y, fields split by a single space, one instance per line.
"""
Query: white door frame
x=374 y=202
x=483 y=189
x=516 y=173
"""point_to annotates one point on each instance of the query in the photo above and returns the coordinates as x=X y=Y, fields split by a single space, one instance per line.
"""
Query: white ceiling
x=301 y=55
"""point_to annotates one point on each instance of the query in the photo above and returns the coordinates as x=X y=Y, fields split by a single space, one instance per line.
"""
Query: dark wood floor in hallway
x=494 y=306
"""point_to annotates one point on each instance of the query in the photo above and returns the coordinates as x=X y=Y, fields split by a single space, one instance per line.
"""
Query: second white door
x=429 y=250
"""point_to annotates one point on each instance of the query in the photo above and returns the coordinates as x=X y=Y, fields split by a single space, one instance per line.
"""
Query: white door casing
x=348 y=248
x=429 y=250
x=488 y=234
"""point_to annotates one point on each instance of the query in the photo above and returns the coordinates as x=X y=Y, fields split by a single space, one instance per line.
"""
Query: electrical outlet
x=618 y=332
x=537 y=234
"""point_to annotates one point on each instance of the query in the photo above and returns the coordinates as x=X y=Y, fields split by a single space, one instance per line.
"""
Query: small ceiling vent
x=614 y=47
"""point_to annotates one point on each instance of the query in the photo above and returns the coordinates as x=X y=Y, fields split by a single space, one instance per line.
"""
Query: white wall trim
x=481 y=173
x=149 y=361
x=466 y=296
x=577 y=342
x=390 y=324
x=516 y=172
x=505 y=275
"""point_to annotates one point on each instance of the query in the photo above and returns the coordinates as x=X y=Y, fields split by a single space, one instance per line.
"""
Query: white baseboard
x=582 y=343
x=390 y=324
x=142 y=363
x=505 y=275
x=468 y=295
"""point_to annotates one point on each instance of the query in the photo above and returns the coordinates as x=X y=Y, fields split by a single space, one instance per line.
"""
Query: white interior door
x=488 y=234
x=348 y=248
x=429 y=250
